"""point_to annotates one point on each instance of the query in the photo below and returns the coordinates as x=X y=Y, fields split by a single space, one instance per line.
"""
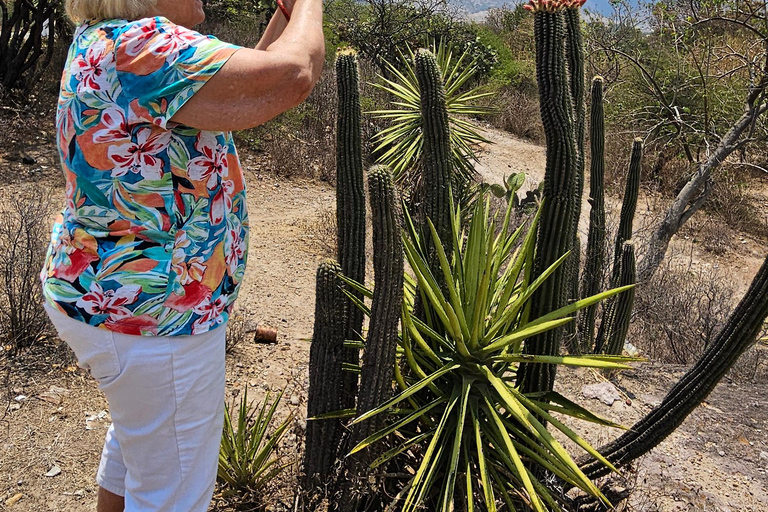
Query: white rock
x=603 y=391
x=55 y=470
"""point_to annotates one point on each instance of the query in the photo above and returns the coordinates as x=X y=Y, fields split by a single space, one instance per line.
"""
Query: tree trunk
x=695 y=193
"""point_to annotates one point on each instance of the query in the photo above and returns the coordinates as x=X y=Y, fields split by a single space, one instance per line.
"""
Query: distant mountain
x=477 y=9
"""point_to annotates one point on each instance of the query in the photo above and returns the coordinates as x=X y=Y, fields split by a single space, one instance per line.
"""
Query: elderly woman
x=147 y=257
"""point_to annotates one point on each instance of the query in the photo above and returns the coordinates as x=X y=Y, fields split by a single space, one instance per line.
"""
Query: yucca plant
x=400 y=145
x=472 y=440
x=248 y=459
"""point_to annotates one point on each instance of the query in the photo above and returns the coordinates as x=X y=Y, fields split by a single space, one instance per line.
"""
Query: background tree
x=699 y=80
x=27 y=34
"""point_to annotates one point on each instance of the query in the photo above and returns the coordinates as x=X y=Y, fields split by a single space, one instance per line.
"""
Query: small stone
x=55 y=471
x=763 y=455
x=603 y=391
x=295 y=400
x=721 y=453
x=28 y=160
x=20 y=398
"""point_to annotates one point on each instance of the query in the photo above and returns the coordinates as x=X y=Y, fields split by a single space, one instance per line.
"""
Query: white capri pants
x=166 y=398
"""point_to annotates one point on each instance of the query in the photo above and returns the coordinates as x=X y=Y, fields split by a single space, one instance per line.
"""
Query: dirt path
x=716 y=462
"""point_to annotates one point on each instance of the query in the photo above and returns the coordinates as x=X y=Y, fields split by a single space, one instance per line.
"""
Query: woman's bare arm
x=256 y=85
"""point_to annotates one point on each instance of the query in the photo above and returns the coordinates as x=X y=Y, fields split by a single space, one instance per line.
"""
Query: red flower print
x=140 y=156
x=236 y=250
x=133 y=325
x=195 y=293
x=137 y=37
x=212 y=164
x=115 y=126
x=91 y=69
x=110 y=302
x=210 y=314
x=146 y=37
x=79 y=260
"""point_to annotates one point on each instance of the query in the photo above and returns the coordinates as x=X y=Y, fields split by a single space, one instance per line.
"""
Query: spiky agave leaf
x=471 y=434
x=248 y=460
x=400 y=145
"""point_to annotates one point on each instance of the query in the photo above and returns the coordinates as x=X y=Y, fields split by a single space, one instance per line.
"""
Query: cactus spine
x=556 y=229
x=436 y=169
x=593 y=266
x=381 y=343
x=326 y=376
x=350 y=202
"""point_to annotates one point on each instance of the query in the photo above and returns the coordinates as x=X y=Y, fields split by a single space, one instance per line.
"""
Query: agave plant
x=472 y=440
x=400 y=145
x=248 y=461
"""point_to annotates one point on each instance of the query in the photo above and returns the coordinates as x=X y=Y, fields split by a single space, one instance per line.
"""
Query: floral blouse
x=154 y=234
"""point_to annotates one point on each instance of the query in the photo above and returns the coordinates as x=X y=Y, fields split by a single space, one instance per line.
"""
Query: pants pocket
x=94 y=348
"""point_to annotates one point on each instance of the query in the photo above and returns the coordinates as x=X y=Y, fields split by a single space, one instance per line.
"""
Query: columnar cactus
x=326 y=357
x=575 y=55
x=629 y=203
x=436 y=169
x=350 y=201
x=595 y=257
x=381 y=343
x=738 y=334
x=613 y=330
x=557 y=229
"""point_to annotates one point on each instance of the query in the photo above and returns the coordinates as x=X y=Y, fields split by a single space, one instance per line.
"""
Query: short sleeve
x=160 y=66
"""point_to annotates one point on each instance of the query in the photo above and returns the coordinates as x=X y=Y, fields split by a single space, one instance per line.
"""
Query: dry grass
x=680 y=311
x=24 y=234
x=518 y=113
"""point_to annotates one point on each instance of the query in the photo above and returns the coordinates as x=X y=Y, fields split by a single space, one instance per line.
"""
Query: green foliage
x=248 y=458
x=239 y=11
x=400 y=146
x=509 y=187
x=471 y=437
x=382 y=29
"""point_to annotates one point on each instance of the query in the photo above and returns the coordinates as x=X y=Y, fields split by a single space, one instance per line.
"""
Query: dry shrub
x=24 y=235
x=518 y=113
x=324 y=232
x=733 y=204
x=715 y=236
x=679 y=311
x=301 y=142
x=237 y=331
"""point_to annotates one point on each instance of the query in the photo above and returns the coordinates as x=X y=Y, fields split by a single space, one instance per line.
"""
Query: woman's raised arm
x=256 y=85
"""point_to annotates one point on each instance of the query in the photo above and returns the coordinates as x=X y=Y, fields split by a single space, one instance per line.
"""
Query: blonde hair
x=81 y=10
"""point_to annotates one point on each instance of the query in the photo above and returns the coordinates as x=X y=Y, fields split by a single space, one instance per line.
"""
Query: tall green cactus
x=609 y=328
x=437 y=168
x=380 y=345
x=629 y=203
x=557 y=228
x=575 y=55
x=350 y=201
x=595 y=258
x=326 y=376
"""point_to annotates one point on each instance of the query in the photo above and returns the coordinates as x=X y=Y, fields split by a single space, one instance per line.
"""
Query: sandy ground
x=716 y=462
